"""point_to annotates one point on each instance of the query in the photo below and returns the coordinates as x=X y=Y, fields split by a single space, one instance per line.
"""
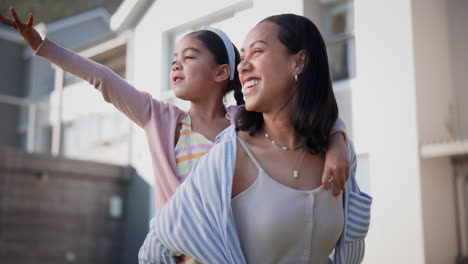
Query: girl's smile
x=177 y=79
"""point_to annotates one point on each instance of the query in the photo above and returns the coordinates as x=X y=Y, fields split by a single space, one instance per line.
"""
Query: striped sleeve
x=351 y=247
x=153 y=251
x=193 y=221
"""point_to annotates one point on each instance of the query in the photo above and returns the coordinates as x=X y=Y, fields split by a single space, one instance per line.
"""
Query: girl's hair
x=315 y=109
x=216 y=46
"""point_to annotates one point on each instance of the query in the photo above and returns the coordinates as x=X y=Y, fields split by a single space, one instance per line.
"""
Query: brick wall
x=54 y=210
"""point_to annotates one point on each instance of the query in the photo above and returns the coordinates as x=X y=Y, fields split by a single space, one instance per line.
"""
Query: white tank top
x=279 y=224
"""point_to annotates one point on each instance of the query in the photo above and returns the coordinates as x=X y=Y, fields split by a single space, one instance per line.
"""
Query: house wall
x=458 y=41
x=433 y=70
x=385 y=102
x=439 y=210
x=439 y=56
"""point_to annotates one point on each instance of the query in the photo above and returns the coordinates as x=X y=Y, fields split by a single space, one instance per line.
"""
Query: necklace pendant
x=296 y=174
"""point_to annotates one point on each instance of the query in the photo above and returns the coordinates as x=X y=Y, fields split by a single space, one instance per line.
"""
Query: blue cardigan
x=198 y=220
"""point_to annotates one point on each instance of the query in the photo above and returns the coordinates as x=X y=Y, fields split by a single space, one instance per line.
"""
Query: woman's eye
x=257 y=51
x=189 y=57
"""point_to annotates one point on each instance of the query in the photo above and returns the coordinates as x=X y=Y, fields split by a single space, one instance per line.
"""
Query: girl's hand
x=337 y=164
x=29 y=34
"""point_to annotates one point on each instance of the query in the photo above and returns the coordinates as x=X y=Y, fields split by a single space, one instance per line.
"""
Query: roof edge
x=129 y=14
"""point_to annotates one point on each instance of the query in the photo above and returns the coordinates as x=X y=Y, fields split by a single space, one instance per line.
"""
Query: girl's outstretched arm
x=133 y=103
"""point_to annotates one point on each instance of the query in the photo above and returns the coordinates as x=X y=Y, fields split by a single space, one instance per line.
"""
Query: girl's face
x=193 y=69
x=266 y=70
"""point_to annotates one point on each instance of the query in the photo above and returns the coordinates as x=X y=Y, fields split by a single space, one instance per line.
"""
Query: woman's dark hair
x=316 y=110
x=216 y=46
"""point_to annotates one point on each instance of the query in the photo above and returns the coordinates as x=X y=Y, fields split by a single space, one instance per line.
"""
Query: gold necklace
x=281 y=146
x=282 y=149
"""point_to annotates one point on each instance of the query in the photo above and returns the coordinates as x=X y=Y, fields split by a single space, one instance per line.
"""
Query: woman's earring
x=295 y=77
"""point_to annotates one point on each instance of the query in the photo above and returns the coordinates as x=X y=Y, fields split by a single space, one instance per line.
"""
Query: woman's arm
x=133 y=103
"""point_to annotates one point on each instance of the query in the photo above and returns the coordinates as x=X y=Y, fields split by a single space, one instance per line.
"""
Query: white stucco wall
x=385 y=101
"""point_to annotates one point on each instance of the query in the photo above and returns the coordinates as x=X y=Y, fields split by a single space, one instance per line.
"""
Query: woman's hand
x=29 y=34
x=337 y=164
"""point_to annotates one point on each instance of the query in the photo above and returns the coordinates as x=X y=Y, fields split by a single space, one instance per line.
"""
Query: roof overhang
x=129 y=14
x=98 y=13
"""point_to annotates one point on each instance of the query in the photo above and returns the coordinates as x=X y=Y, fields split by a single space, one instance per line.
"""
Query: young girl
x=257 y=197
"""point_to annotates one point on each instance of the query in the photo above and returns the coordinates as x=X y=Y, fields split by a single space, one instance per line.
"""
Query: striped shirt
x=198 y=220
x=190 y=147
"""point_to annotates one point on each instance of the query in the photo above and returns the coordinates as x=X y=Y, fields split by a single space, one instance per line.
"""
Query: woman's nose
x=243 y=66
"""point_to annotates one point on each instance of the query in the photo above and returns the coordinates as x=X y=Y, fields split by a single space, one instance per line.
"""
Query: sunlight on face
x=192 y=70
x=267 y=70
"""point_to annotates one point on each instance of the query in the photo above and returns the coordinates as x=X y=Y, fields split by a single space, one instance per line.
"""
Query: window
x=339 y=38
x=98 y=131
x=90 y=132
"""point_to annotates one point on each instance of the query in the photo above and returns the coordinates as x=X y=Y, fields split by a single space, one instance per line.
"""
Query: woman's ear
x=222 y=73
x=299 y=61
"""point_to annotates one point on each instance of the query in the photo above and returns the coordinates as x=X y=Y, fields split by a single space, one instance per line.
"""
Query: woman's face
x=193 y=69
x=266 y=70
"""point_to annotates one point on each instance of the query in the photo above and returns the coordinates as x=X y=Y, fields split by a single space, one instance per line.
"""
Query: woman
x=256 y=197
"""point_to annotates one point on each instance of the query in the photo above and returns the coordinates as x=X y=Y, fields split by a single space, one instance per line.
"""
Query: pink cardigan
x=158 y=119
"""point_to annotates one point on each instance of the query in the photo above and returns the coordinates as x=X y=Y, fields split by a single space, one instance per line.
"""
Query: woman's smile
x=250 y=86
